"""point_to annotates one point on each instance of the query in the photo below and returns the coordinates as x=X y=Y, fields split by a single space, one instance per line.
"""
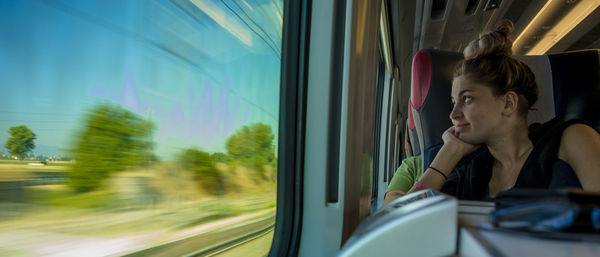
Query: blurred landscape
x=113 y=189
x=129 y=125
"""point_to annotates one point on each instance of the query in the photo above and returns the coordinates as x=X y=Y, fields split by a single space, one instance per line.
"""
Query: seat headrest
x=576 y=83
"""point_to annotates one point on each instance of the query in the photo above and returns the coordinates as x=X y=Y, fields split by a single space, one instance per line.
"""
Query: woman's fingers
x=449 y=134
x=450 y=137
x=392 y=195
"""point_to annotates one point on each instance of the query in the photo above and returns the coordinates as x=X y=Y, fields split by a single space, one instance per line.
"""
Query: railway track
x=213 y=242
x=220 y=248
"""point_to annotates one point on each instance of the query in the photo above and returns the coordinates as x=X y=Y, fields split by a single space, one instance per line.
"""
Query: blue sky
x=199 y=69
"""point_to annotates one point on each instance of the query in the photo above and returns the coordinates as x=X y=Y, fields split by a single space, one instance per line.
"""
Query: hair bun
x=491 y=43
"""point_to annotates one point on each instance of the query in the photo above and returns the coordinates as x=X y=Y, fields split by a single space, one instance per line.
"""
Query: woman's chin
x=467 y=139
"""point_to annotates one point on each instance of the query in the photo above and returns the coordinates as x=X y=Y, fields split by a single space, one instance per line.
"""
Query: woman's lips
x=460 y=127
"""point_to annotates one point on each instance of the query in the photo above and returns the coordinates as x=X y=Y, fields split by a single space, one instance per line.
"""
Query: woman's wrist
x=447 y=158
x=454 y=151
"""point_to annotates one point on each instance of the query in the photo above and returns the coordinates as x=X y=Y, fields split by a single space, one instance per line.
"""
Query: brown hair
x=489 y=61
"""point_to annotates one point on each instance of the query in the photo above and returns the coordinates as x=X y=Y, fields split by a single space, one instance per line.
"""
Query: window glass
x=138 y=127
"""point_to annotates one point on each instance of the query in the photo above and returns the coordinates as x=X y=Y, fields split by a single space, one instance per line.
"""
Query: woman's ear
x=511 y=103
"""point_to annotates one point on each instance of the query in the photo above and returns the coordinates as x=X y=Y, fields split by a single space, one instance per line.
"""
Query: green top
x=407 y=174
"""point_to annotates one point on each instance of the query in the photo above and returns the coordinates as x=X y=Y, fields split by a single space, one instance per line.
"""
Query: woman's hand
x=460 y=147
x=392 y=195
x=445 y=160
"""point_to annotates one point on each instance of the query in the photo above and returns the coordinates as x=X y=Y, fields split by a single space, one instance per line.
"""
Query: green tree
x=218 y=157
x=20 y=141
x=204 y=170
x=112 y=139
x=252 y=146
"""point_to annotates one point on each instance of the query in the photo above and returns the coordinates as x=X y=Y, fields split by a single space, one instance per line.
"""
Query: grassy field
x=34 y=228
x=88 y=215
x=149 y=205
x=164 y=187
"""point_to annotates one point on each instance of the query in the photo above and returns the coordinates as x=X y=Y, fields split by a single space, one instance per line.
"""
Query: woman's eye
x=467 y=99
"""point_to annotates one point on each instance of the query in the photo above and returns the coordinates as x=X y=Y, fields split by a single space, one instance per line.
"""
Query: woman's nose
x=455 y=113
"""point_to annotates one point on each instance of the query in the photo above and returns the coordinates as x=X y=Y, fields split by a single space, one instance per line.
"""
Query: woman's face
x=477 y=112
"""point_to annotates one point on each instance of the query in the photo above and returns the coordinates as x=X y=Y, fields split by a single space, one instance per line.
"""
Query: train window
x=377 y=133
x=139 y=127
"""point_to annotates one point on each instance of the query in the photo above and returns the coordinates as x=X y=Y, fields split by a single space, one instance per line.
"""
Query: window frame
x=292 y=117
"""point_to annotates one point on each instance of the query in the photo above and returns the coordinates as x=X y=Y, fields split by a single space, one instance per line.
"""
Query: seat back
x=569 y=86
x=412 y=146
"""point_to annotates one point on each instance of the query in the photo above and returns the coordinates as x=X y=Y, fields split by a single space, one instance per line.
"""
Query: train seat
x=412 y=147
x=569 y=87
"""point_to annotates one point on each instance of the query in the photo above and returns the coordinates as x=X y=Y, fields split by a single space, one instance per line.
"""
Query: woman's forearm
x=445 y=161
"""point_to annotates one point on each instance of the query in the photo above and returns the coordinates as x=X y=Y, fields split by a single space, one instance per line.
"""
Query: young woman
x=492 y=93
